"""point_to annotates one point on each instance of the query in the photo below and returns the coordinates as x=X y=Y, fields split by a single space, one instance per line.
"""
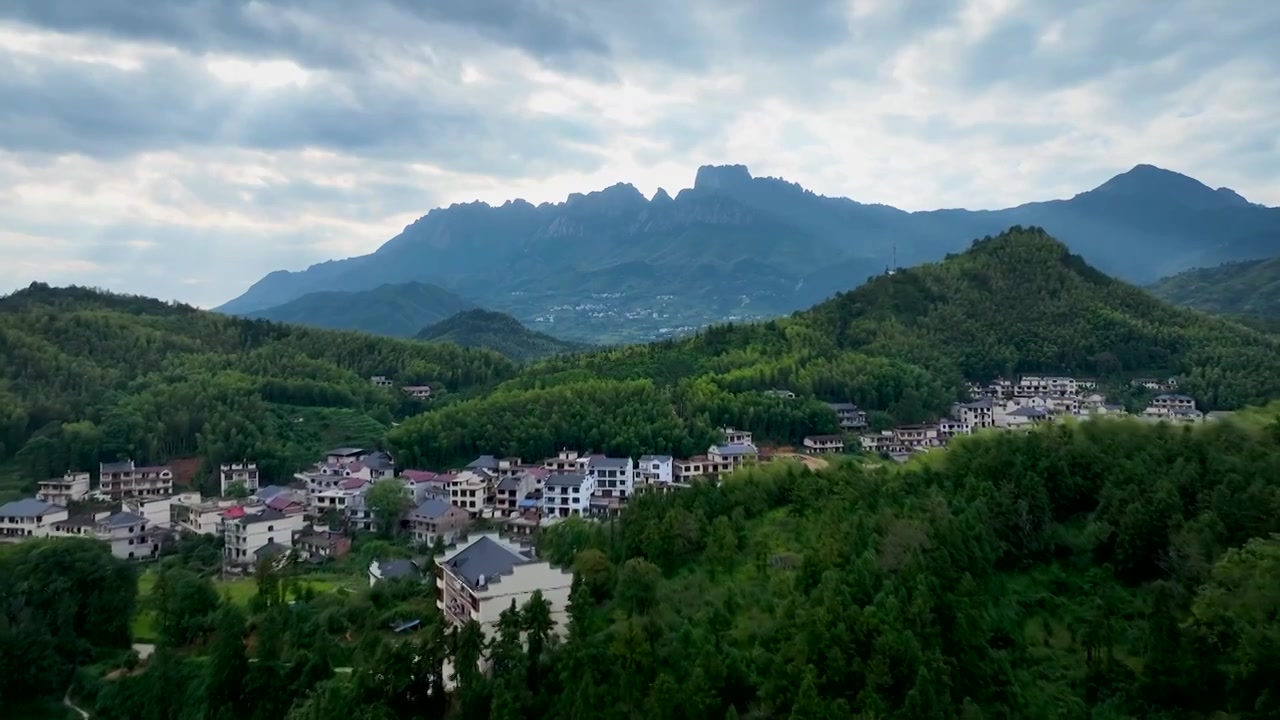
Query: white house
x=72 y=487
x=567 y=494
x=245 y=473
x=203 y=517
x=615 y=477
x=478 y=582
x=381 y=381
x=157 y=510
x=851 y=416
x=344 y=456
x=123 y=479
x=471 y=490
x=981 y=413
x=1026 y=415
x=655 y=470
x=128 y=534
x=374 y=466
x=245 y=533
x=337 y=498
x=1045 y=385
x=820 y=444
x=948 y=428
x=29 y=518
x=418 y=392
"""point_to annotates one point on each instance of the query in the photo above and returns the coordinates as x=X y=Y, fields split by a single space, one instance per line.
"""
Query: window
x=271 y=528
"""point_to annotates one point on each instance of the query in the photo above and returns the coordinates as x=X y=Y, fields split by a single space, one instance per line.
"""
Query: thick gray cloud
x=194 y=145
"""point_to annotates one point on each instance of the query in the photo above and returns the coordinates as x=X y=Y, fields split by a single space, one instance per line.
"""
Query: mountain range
x=613 y=265
x=397 y=310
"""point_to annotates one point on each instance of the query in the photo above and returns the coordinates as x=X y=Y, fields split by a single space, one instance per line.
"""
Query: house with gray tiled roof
x=479 y=581
x=128 y=534
x=615 y=477
x=437 y=518
x=655 y=471
x=29 y=518
x=124 y=479
x=244 y=533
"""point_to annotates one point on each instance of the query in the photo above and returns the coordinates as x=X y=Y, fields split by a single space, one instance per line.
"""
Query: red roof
x=540 y=473
x=355 y=467
x=419 y=475
x=235 y=512
x=353 y=483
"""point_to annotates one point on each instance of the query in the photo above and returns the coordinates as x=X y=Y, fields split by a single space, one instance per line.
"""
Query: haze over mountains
x=612 y=265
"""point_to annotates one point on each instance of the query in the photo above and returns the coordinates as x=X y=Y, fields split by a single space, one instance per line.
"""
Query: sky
x=184 y=148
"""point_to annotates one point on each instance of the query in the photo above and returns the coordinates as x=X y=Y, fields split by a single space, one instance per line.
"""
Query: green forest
x=499 y=332
x=1249 y=289
x=90 y=375
x=901 y=346
x=1017 y=575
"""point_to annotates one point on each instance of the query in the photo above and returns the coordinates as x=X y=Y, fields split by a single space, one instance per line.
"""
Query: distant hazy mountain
x=612 y=265
x=399 y=310
x=497 y=331
x=1250 y=289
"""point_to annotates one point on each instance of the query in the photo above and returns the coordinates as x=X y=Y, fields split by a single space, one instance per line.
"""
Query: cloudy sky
x=183 y=148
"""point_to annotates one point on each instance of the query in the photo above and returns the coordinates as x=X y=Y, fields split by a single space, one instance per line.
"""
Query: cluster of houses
x=418 y=392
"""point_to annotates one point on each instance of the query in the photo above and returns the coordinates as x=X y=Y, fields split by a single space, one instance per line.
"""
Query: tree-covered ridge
x=499 y=332
x=1249 y=289
x=87 y=374
x=398 y=310
x=1021 y=302
x=901 y=346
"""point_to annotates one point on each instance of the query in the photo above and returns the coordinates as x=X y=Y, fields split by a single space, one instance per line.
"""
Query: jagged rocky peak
x=719 y=177
x=661 y=196
x=620 y=196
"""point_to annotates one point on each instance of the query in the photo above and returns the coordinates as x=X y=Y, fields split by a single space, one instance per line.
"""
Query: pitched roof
x=565 y=480
x=271 y=549
x=484 y=462
x=983 y=404
x=734 y=449
x=432 y=509
x=265 y=516
x=824 y=438
x=121 y=466
x=509 y=483
x=485 y=558
x=654 y=458
x=280 y=502
x=353 y=483
x=379 y=461
x=344 y=452
x=418 y=475
x=122 y=519
x=1032 y=412
x=27 y=507
x=603 y=463
x=397 y=569
x=843 y=406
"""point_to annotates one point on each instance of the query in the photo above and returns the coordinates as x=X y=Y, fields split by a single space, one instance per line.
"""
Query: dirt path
x=66 y=700
x=810 y=461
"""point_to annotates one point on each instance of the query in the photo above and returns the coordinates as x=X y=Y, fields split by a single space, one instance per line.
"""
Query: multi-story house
x=438 y=519
x=948 y=428
x=244 y=473
x=157 y=510
x=655 y=470
x=374 y=466
x=344 y=456
x=472 y=490
x=336 y=499
x=734 y=436
x=567 y=494
x=917 y=436
x=982 y=413
x=850 y=416
x=1029 y=385
x=566 y=461
x=686 y=470
x=203 y=517
x=731 y=456
x=120 y=480
x=615 y=477
x=359 y=514
x=481 y=580
x=381 y=381
x=128 y=535
x=884 y=441
x=1026 y=415
x=820 y=444
x=29 y=518
x=512 y=489
x=246 y=533
x=1168 y=402
x=1092 y=401
x=72 y=487
x=321 y=544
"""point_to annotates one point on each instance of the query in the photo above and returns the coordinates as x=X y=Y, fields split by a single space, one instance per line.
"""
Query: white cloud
x=197 y=146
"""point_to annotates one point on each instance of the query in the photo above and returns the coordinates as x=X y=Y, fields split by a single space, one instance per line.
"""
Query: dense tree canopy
x=89 y=375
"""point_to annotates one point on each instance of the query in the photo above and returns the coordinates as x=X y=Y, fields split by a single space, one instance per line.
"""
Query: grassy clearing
x=236 y=590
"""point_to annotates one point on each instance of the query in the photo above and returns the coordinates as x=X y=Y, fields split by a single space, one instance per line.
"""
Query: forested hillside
x=1095 y=571
x=398 y=310
x=1250 y=289
x=901 y=345
x=499 y=332
x=88 y=375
